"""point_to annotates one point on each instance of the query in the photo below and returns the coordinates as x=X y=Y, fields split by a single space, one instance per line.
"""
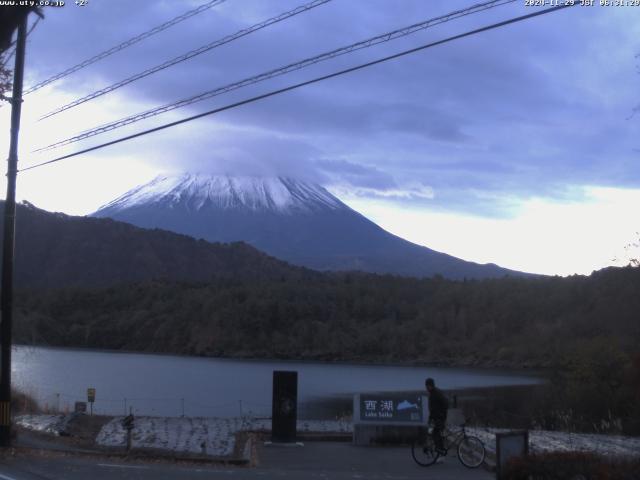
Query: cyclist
x=438 y=406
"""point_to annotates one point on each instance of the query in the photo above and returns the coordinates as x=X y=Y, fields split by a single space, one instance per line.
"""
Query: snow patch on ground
x=52 y=424
x=205 y=436
x=217 y=436
x=542 y=441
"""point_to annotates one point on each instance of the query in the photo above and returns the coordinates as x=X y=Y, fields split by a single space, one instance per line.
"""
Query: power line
x=308 y=82
x=34 y=25
x=13 y=44
x=188 y=55
x=125 y=44
x=8 y=57
x=279 y=71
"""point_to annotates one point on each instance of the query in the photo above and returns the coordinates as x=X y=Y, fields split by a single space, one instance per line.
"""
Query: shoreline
x=534 y=370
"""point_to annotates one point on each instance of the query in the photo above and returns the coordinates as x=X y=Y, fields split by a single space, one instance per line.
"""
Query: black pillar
x=6 y=301
x=284 y=409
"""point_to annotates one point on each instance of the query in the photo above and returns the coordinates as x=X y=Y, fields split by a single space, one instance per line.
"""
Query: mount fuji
x=296 y=221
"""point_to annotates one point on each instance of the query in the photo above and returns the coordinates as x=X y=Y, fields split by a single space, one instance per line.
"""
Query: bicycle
x=470 y=449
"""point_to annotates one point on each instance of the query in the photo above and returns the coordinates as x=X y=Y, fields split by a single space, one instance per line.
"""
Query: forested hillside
x=57 y=250
x=356 y=317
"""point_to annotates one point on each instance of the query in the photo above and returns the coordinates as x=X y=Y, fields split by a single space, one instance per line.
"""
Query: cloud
x=349 y=179
x=356 y=175
x=497 y=147
x=474 y=126
x=217 y=148
x=415 y=191
x=549 y=237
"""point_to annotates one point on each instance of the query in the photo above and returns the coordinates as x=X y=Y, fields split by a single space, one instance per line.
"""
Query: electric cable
x=125 y=44
x=186 y=56
x=13 y=44
x=8 y=57
x=305 y=83
x=278 y=72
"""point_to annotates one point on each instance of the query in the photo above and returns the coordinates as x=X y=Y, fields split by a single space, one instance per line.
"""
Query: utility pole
x=6 y=298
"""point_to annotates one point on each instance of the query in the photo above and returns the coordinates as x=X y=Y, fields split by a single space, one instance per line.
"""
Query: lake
x=167 y=385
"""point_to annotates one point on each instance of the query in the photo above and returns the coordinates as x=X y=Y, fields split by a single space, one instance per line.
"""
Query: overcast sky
x=516 y=146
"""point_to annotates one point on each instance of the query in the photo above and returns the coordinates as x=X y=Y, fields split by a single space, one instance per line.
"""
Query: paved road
x=316 y=460
x=341 y=461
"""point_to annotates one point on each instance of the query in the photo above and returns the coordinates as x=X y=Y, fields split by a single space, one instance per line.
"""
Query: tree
x=631 y=257
x=633 y=250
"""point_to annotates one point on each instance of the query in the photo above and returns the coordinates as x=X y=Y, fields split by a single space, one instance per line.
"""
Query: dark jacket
x=438 y=405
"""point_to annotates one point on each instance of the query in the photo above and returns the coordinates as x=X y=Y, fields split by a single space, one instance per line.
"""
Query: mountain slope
x=296 y=221
x=55 y=250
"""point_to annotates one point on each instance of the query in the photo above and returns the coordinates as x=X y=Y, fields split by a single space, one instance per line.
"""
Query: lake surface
x=166 y=385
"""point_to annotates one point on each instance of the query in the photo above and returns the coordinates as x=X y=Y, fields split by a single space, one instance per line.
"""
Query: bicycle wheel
x=423 y=451
x=471 y=452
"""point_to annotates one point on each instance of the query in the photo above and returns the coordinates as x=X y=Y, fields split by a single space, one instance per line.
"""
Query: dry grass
x=23 y=403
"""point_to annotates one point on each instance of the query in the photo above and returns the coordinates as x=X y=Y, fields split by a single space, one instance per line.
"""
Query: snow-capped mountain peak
x=198 y=191
x=293 y=220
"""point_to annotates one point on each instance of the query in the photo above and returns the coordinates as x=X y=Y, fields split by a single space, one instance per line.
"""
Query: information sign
x=391 y=407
